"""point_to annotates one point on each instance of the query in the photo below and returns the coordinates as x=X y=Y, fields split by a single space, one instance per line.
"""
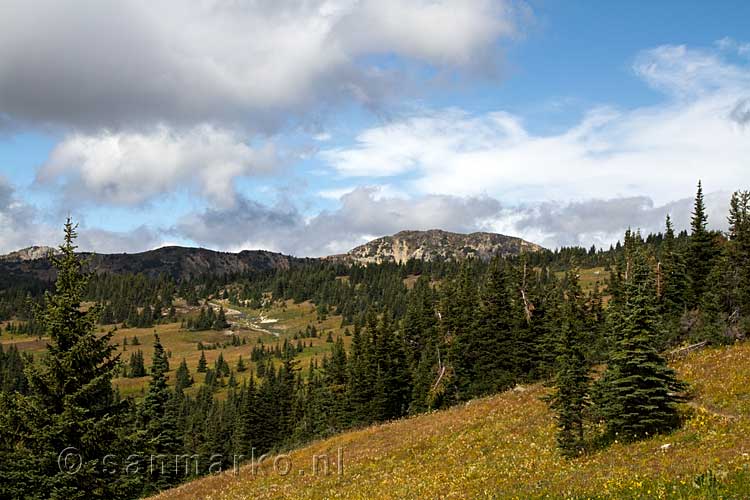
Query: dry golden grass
x=503 y=447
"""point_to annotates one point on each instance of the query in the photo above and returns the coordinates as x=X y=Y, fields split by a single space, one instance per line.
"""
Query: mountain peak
x=437 y=244
x=30 y=253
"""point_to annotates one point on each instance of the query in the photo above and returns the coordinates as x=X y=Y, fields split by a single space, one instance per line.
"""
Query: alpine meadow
x=398 y=249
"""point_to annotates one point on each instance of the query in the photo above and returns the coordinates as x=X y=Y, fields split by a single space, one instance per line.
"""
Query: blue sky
x=312 y=127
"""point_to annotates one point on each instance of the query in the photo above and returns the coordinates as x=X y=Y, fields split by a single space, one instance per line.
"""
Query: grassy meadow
x=180 y=343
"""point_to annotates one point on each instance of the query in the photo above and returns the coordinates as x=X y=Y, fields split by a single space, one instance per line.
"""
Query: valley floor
x=504 y=447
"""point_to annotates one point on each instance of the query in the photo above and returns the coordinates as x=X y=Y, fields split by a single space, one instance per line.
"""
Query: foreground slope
x=504 y=447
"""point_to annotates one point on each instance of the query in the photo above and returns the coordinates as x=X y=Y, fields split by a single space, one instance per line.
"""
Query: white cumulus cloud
x=659 y=151
x=129 y=168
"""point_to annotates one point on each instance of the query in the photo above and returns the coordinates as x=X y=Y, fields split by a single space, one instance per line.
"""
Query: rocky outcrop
x=30 y=253
x=436 y=244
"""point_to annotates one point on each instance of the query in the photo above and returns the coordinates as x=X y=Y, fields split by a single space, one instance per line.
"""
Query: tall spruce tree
x=739 y=254
x=70 y=402
x=638 y=393
x=158 y=417
x=701 y=251
x=571 y=380
x=672 y=274
x=202 y=363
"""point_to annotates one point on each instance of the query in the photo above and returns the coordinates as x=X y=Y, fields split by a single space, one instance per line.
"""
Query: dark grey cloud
x=741 y=112
x=17 y=220
x=248 y=221
x=602 y=222
x=361 y=216
x=256 y=64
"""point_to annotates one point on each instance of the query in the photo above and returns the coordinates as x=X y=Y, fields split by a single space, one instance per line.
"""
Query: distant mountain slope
x=437 y=244
x=178 y=262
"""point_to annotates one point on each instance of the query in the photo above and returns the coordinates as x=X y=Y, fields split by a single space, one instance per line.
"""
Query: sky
x=311 y=127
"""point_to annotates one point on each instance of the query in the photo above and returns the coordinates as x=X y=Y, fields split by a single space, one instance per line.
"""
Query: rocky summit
x=437 y=244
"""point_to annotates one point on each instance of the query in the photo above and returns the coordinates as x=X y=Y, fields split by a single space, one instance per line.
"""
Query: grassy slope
x=503 y=447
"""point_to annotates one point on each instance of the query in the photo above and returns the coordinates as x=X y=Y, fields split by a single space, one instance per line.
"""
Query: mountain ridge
x=192 y=262
x=175 y=261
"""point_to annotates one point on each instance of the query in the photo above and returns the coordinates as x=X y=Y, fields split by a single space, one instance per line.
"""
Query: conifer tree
x=202 y=364
x=638 y=392
x=70 y=400
x=485 y=355
x=458 y=324
x=183 y=379
x=158 y=416
x=136 y=368
x=701 y=252
x=241 y=366
x=672 y=285
x=571 y=380
x=739 y=254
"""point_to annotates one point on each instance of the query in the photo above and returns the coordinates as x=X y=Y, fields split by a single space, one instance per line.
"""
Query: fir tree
x=486 y=354
x=241 y=366
x=183 y=379
x=136 y=368
x=158 y=416
x=672 y=283
x=701 y=252
x=70 y=400
x=739 y=254
x=638 y=392
x=202 y=364
x=571 y=380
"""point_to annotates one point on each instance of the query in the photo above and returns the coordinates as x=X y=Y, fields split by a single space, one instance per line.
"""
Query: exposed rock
x=30 y=253
x=436 y=244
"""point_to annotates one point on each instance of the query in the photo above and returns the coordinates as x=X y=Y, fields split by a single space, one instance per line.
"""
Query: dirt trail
x=239 y=318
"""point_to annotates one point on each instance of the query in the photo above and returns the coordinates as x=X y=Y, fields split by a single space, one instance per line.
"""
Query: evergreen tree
x=571 y=380
x=637 y=393
x=739 y=255
x=136 y=367
x=70 y=400
x=486 y=354
x=12 y=366
x=701 y=252
x=241 y=366
x=158 y=416
x=202 y=364
x=183 y=379
x=672 y=274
